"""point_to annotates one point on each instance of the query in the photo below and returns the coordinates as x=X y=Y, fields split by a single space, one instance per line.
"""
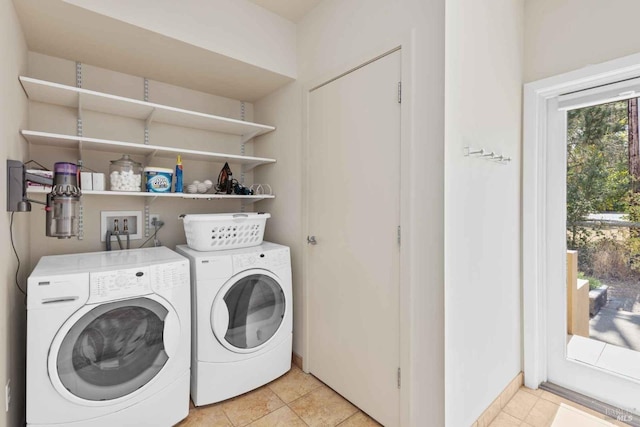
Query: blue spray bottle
x=178 y=188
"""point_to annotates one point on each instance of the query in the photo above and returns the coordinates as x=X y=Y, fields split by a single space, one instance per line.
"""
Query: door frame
x=409 y=185
x=536 y=203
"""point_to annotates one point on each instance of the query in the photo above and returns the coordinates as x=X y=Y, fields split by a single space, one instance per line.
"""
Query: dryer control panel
x=267 y=260
x=117 y=284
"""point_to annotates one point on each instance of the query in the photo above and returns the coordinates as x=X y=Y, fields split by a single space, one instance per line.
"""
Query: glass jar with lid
x=125 y=174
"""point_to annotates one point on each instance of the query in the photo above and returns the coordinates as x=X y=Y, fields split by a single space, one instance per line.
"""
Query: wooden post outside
x=577 y=298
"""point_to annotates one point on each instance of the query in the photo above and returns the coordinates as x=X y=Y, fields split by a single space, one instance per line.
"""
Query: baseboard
x=500 y=402
x=296 y=360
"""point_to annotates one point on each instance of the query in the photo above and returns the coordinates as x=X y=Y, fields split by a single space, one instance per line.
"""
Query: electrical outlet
x=7 y=395
x=153 y=217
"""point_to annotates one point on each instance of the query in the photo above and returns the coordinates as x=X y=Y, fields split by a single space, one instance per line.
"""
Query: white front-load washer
x=108 y=339
x=242 y=312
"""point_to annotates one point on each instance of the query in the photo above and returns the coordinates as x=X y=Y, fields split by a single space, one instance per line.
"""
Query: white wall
x=13 y=108
x=227 y=27
x=46 y=117
x=332 y=38
x=566 y=35
x=484 y=54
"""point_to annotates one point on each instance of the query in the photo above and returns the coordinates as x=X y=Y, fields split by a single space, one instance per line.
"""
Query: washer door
x=111 y=350
x=248 y=311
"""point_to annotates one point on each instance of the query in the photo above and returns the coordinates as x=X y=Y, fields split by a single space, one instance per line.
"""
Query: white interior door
x=354 y=215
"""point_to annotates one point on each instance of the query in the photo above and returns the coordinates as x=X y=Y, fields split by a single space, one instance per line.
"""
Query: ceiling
x=293 y=10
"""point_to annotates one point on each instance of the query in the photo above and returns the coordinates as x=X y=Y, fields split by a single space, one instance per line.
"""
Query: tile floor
x=295 y=399
x=538 y=408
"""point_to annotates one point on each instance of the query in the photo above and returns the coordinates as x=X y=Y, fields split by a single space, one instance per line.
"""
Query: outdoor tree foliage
x=598 y=177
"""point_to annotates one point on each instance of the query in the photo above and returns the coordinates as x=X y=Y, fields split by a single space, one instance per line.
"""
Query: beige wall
x=13 y=116
x=222 y=28
x=46 y=117
x=484 y=55
x=565 y=35
x=332 y=38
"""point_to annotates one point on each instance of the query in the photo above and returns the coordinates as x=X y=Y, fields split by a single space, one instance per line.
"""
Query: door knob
x=311 y=240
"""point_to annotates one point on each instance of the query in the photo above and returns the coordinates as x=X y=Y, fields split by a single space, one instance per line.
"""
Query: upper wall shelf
x=81 y=142
x=69 y=96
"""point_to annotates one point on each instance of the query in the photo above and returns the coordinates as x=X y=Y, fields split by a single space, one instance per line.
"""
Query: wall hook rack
x=483 y=153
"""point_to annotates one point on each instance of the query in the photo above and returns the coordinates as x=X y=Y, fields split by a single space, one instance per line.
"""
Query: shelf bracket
x=79 y=133
x=248 y=136
x=149 y=157
x=78 y=74
x=80 y=220
x=242 y=149
x=147 y=122
x=149 y=118
x=147 y=217
x=80 y=156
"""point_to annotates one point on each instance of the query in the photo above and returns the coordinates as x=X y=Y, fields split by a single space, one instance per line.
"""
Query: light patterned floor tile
x=505 y=420
x=542 y=413
x=536 y=392
x=520 y=405
x=323 y=407
x=489 y=414
x=360 y=419
x=294 y=384
x=210 y=416
x=249 y=407
x=511 y=390
x=283 y=417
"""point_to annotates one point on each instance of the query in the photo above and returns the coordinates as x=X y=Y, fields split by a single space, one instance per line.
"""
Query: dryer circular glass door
x=248 y=311
x=113 y=349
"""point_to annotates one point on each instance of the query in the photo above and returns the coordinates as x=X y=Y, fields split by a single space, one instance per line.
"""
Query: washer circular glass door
x=112 y=350
x=248 y=311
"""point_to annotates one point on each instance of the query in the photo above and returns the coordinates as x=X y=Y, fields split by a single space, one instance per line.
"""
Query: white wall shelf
x=81 y=143
x=69 y=96
x=206 y=196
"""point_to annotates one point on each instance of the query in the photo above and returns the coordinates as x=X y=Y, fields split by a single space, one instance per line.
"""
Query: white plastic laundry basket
x=218 y=232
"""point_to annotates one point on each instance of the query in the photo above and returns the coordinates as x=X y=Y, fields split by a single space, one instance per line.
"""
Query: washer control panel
x=165 y=277
x=117 y=284
x=266 y=259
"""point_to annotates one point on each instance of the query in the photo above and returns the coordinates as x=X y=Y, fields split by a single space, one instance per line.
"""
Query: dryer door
x=111 y=350
x=248 y=311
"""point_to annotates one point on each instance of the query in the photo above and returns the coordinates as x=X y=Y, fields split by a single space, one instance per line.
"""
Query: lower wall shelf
x=206 y=196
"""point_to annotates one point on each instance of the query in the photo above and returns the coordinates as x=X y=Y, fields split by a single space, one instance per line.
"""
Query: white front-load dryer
x=242 y=310
x=108 y=339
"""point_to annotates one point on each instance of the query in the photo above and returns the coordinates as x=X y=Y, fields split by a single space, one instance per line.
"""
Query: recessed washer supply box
x=217 y=232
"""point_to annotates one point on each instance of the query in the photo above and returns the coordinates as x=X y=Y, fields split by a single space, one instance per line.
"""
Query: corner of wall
x=13 y=105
